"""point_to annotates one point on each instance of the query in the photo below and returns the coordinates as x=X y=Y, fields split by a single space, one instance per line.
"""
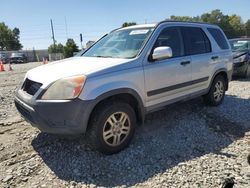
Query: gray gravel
x=185 y=145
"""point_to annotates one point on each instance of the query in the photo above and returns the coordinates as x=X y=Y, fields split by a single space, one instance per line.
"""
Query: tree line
x=232 y=25
x=9 y=39
x=68 y=50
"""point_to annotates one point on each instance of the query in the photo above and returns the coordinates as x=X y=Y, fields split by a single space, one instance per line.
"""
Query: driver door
x=169 y=78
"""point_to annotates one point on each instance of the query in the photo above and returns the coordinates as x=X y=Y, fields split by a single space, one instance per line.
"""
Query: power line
x=59 y=37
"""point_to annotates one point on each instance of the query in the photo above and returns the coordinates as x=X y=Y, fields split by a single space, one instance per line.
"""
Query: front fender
x=116 y=92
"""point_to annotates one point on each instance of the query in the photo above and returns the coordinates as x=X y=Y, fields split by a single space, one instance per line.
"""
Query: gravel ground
x=185 y=145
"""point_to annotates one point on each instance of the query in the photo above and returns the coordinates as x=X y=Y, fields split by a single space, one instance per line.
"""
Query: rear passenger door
x=198 y=48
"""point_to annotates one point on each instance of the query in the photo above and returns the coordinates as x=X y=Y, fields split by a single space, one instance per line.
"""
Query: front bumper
x=58 y=117
x=239 y=68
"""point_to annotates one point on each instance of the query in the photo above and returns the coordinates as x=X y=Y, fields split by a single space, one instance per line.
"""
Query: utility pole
x=52 y=30
x=81 y=40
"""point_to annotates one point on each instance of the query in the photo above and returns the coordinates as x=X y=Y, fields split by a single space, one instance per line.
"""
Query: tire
x=216 y=93
x=247 y=72
x=111 y=127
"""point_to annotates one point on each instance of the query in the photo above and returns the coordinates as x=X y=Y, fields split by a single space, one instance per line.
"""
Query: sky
x=94 y=18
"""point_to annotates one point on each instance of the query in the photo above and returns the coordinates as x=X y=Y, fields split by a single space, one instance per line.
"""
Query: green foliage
x=57 y=48
x=231 y=24
x=238 y=27
x=247 y=27
x=9 y=39
x=67 y=50
x=70 y=48
x=126 y=24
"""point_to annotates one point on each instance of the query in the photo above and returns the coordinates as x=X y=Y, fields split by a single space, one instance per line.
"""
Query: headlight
x=66 y=88
x=240 y=59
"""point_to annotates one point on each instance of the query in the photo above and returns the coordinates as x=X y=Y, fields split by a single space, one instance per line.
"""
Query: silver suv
x=127 y=74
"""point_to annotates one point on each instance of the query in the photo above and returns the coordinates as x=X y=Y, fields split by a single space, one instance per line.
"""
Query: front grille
x=24 y=112
x=31 y=87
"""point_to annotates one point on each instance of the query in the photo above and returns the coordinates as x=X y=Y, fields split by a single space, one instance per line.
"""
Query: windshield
x=240 y=45
x=78 y=54
x=120 y=44
x=16 y=55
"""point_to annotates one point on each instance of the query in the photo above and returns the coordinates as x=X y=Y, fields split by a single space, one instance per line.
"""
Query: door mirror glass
x=162 y=52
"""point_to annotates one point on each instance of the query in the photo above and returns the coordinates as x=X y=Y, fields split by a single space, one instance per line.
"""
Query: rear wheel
x=217 y=91
x=111 y=127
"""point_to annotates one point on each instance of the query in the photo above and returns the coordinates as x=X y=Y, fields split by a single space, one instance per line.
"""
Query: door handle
x=215 y=57
x=183 y=63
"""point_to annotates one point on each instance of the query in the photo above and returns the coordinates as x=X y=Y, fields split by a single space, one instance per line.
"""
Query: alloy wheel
x=218 y=91
x=116 y=129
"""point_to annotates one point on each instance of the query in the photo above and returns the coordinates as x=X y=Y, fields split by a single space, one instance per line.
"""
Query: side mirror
x=162 y=52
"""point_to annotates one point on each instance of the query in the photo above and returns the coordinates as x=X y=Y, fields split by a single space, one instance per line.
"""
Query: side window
x=171 y=37
x=195 y=40
x=219 y=38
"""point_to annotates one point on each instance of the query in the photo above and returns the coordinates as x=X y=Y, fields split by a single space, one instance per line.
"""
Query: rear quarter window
x=219 y=38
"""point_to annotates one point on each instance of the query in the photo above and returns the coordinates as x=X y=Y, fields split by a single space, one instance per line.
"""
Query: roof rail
x=171 y=21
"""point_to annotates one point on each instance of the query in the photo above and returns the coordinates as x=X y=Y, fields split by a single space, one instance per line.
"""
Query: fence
x=55 y=56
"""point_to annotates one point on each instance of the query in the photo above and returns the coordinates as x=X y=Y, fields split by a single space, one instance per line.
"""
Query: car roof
x=187 y=23
x=17 y=54
x=154 y=25
x=141 y=26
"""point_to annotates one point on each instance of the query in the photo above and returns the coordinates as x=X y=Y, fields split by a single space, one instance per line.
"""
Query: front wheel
x=217 y=91
x=111 y=127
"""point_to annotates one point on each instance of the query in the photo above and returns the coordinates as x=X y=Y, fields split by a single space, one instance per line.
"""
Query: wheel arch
x=222 y=72
x=127 y=95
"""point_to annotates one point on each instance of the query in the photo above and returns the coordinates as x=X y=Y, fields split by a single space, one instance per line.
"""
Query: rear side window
x=219 y=38
x=195 y=40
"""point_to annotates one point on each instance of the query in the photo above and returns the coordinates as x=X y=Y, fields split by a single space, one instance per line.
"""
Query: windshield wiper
x=103 y=56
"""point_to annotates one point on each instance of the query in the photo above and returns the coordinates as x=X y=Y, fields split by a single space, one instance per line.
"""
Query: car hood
x=46 y=74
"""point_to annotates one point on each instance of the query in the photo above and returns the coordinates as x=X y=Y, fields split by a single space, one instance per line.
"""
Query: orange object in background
x=1 y=66
x=45 y=61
